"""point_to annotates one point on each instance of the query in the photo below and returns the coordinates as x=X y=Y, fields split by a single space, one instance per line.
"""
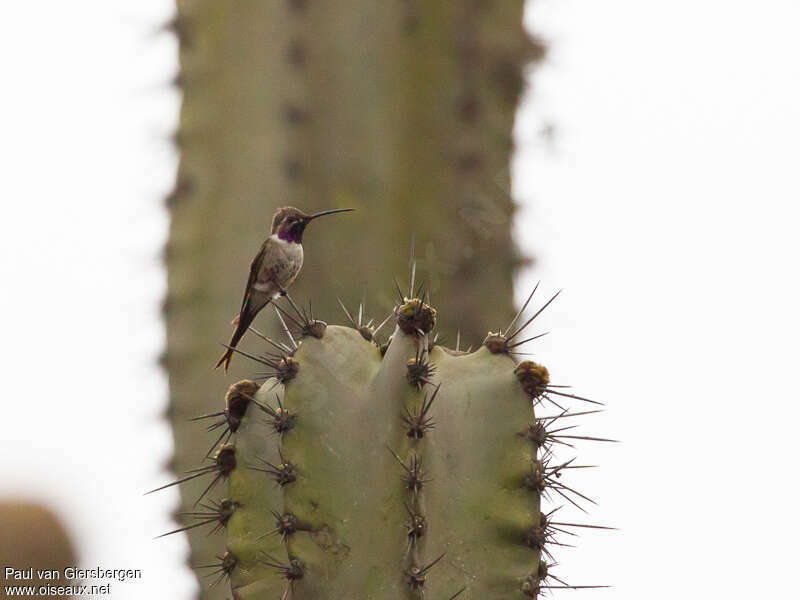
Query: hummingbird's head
x=289 y=222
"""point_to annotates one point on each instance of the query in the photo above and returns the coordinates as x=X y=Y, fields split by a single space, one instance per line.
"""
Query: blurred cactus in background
x=31 y=537
x=403 y=110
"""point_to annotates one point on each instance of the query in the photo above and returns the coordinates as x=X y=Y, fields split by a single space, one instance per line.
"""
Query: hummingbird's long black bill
x=330 y=212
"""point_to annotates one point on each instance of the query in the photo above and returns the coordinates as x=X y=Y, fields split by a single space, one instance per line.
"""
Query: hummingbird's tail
x=226 y=359
x=243 y=321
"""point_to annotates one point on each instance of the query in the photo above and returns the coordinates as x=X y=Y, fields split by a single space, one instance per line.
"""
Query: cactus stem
x=223 y=569
x=219 y=512
x=414 y=476
x=283 y=473
x=418 y=422
x=416 y=321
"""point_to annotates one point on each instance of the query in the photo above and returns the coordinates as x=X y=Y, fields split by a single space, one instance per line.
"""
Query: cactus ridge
x=316 y=509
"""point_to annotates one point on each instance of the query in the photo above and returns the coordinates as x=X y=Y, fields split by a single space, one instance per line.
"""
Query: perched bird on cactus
x=273 y=269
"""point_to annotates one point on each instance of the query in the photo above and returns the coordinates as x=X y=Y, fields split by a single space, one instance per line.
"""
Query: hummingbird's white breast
x=281 y=265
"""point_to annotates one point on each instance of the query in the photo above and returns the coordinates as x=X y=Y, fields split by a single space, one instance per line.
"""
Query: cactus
x=402 y=109
x=362 y=469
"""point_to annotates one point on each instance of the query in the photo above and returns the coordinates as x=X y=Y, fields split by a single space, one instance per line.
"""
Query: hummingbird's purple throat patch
x=293 y=234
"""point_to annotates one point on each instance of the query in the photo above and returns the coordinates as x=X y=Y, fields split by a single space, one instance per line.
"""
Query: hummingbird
x=273 y=269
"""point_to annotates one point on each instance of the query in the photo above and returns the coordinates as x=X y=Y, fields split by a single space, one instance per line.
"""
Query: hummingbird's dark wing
x=253 y=300
x=255 y=267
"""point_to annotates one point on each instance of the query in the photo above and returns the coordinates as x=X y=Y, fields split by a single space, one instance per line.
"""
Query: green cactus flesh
x=387 y=472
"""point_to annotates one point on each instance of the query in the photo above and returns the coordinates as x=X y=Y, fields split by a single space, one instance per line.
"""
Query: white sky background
x=666 y=207
x=668 y=210
x=86 y=112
